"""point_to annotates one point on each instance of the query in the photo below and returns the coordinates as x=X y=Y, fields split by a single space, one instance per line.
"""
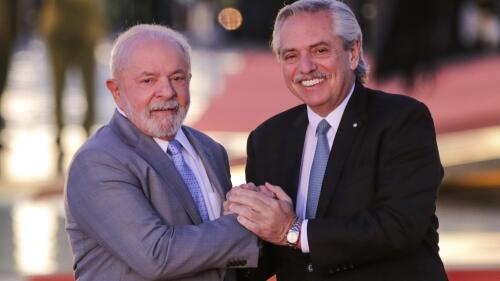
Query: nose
x=165 y=89
x=306 y=64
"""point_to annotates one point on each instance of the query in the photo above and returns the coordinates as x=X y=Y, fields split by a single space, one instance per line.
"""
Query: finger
x=269 y=194
x=249 y=186
x=248 y=224
x=228 y=194
x=245 y=211
x=235 y=190
x=263 y=189
x=250 y=198
x=280 y=194
x=226 y=205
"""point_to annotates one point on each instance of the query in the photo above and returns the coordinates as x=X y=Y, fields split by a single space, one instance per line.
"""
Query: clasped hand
x=265 y=210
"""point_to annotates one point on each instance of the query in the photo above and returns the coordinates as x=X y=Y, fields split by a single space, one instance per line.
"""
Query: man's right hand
x=267 y=212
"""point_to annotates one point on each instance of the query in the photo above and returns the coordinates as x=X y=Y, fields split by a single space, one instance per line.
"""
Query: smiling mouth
x=164 y=110
x=312 y=82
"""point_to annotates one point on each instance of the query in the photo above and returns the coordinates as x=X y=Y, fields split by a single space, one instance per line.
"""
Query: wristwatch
x=293 y=234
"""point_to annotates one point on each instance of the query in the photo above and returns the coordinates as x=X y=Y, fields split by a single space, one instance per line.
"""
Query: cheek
x=344 y=64
x=288 y=74
x=137 y=101
x=183 y=97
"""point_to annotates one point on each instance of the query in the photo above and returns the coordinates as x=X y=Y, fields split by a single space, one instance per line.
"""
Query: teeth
x=309 y=83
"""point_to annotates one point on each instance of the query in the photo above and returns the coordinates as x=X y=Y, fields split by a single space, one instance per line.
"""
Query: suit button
x=310 y=268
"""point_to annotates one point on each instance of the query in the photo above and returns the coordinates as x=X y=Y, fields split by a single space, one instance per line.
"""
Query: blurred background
x=54 y=61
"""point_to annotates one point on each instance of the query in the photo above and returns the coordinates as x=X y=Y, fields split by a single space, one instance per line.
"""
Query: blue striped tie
x=175 y=151
x=317 y=169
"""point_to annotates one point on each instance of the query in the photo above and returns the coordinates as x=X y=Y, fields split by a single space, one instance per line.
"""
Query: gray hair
x=344 y=25
x=124 y=43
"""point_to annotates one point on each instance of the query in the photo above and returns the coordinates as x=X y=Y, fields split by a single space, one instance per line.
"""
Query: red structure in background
x=461 y=96
x=474 y=275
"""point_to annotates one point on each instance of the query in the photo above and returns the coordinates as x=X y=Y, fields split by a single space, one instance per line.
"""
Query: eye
x=147 y=81
x=289 y=57
x=179 y=79
x=321 y=51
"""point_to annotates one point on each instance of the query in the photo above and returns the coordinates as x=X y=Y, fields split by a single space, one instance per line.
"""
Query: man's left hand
x=269 y=217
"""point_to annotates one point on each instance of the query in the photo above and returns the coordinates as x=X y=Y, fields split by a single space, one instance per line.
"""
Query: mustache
x=164 y=105
x=312 y=75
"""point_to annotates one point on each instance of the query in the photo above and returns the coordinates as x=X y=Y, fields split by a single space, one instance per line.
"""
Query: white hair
x=344 y=25
x=125 y=42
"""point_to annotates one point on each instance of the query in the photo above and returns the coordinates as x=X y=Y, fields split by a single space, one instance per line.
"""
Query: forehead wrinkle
x=134 y=42
x=154 y=68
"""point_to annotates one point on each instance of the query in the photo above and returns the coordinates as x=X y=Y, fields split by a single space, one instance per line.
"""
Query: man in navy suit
x=353 y=173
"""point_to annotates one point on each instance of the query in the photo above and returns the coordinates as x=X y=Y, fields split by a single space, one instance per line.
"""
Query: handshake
x=265 y=210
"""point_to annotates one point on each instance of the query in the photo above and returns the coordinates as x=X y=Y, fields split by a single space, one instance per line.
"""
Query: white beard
x=162 y=127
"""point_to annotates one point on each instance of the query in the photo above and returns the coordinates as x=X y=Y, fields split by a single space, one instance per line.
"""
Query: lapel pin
x=355 y=125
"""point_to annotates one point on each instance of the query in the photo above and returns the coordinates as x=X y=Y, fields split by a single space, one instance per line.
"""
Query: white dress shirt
x=333 y=118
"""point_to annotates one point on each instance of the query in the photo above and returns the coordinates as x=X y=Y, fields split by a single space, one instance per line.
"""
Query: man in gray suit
x=144 y=194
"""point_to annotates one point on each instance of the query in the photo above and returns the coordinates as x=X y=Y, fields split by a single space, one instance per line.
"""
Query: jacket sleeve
x=107 y=203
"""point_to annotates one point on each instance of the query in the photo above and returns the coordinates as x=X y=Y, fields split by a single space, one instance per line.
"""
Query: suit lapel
x=149 y=150
x=293 y=154
x=351 y=123
x=214 y=173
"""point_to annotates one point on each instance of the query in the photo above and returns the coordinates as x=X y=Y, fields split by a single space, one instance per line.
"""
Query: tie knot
x=174 y=147
x=323 y=127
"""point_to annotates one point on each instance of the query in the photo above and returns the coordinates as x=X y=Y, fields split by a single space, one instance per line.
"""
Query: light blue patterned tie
x=317 y=169
x=175 y=151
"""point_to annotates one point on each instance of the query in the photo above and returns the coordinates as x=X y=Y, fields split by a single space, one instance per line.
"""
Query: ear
x=354 y=55
x=114 y=89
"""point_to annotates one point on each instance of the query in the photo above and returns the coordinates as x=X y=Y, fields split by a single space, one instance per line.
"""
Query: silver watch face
x=292 y=237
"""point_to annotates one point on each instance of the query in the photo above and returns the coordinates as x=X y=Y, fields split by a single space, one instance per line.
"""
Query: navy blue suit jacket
x=376 y=213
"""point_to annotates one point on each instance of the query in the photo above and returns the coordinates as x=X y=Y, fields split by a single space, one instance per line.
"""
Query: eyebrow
x=181 y=71
x=310 y=46
x=148 y=73
x=319 y=44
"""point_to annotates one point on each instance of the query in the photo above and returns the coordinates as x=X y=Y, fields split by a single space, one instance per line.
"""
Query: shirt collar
x=182 y=139
x=333 y=118
x=121 y=112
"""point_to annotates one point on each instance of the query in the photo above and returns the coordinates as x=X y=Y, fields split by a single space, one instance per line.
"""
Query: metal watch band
x=295 y=229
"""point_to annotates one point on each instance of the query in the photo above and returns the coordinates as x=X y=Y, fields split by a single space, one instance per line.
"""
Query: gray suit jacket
x=131 y=217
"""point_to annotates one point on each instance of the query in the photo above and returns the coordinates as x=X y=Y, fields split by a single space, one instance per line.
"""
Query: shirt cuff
x=304 y=244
